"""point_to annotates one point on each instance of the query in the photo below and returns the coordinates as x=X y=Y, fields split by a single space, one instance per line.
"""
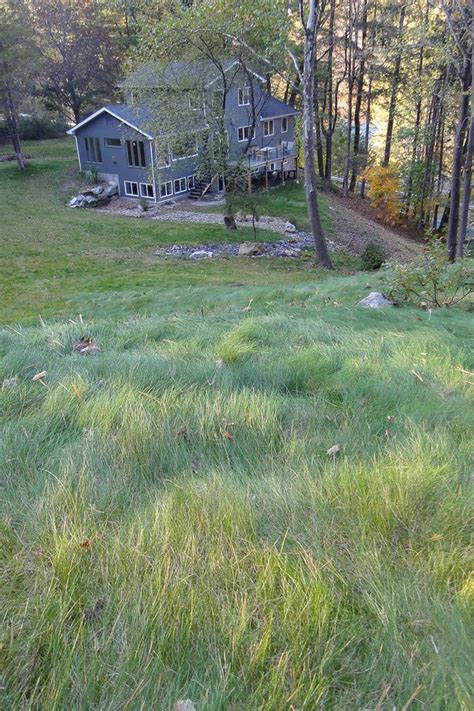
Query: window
x=244 y=96
x=147 y=190
x=136 y=153
x=184 y=147
x=166 y=189
x=162 y=155
x=244 y=133
x=93 y=150
x=180 y=185
x=131 y=188
x=284 y=124
x=113 y=142
x=268 y=128
x=191 y=181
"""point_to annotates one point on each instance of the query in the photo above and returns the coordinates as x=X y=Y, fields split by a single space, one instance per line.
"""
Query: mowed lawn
x=172 y=525
x=55 y=260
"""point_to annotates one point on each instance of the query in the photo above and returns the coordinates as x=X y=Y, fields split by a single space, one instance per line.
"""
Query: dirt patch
x=353 y=229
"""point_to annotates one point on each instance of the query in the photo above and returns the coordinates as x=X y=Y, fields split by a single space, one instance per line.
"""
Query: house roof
x=138 y=117
x=153 y=75
x=273 y=108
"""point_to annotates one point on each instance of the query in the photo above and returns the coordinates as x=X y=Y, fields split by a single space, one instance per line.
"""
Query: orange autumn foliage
x=384 y=184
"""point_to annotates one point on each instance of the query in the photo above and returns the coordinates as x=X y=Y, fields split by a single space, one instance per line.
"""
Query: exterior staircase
x=201 y=187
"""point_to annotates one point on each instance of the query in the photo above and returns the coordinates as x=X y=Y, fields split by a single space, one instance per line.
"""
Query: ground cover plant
x=172 y=525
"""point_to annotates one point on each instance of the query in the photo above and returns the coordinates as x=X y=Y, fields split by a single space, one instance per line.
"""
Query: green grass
x=51 y=254
x=171 y=524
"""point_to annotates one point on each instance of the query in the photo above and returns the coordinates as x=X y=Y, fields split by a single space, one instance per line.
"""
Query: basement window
x=147 y=190
x=166 y=189
x=180 y=185
x=131 y=189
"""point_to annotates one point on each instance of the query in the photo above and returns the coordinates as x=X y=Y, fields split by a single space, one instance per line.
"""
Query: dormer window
x=244 y=96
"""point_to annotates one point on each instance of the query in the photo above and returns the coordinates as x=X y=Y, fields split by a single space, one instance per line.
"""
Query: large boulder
x=289 y=227
x=375 y=300
x=250 y=249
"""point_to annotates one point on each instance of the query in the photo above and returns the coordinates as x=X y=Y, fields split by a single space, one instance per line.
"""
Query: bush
x=38 y=128
x=373 y=256
x=431 y=281
x=384 y=185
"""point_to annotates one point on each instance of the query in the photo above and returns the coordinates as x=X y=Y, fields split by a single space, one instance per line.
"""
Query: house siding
x=114 y=164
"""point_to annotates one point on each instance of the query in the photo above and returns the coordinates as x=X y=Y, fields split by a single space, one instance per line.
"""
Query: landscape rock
x=184 y=705
x=250 y=249
x=289 y=227
x=201 y=254
x=375 y=300
x=111 y=189
x=9 y=383
x=98 y=190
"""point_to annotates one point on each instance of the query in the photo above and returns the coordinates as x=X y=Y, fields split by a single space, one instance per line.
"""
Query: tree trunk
x=328 y=133
x=467 y=182
x=393 y=96
x=457 y=160
x=319 y=143
x=358 y=105
x=309 y=27
x=12 y=126
x=350 y=88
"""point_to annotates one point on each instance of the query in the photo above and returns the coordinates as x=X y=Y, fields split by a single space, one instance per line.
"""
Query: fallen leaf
x=86 y=545
x=417 y=375
x=182 y=432
x=39 y=376
x=228 y=435
x=390 y=418
x=249 y=306
x=219 y=363
x=335 y=449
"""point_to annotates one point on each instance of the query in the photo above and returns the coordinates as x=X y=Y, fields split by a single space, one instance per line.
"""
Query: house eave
x=72 y=131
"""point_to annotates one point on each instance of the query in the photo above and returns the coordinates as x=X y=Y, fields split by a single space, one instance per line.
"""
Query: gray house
x=148 y=155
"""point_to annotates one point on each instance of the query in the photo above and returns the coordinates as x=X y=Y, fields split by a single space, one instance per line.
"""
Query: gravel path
x=352 y=231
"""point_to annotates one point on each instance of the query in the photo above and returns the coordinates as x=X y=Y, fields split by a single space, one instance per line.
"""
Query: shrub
x=384 y=185
x=92 y=175
x=373 y=255
x=37 y=128
x=431 y=281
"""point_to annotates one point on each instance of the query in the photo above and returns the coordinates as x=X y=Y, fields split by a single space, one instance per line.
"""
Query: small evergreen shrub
x=373 y=256
x=431 y=281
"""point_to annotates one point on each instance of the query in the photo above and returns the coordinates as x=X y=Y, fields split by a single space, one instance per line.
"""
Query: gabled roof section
x=154 y=75
x=273 y=108
x=136 y=117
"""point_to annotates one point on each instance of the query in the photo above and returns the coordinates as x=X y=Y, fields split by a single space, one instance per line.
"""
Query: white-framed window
x=268 y=128
x=271 y=167
x=93 y=152
x=244 y=96
x=166 y=189
x=284 y=124
x=191 y=181
x=180 y=185
x=130 y=188
x=113 y=142
x=147 y=190
x=243 y=133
